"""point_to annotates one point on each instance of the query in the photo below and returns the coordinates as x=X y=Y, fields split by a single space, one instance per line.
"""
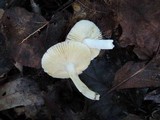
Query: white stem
x=80 y=85
x=99 y=44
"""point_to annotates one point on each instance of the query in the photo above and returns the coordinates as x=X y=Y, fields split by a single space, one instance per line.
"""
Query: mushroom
x=67 y=60
x=88 y=33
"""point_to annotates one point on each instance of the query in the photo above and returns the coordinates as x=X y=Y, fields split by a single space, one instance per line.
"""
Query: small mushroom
x=67 y=60
x=88 y=33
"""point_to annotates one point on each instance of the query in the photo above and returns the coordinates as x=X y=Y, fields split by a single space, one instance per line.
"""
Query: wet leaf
x=154 y=96
x=147 y=75
x=140 y=25
x=20 y=92
x=19 y=24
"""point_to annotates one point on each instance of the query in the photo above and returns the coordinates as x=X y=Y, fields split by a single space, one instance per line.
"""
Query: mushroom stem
x=80 y=85
x=99 y=44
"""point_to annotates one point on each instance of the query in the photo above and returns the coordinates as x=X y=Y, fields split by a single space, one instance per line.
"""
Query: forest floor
x=127 y=77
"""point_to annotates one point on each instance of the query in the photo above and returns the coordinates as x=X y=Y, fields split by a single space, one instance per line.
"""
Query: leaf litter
x=134 y=26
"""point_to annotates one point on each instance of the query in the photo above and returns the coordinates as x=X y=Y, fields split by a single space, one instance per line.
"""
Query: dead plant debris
x=127 y=77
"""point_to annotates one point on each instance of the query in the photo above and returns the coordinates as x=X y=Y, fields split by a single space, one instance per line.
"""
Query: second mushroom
x=67 y=60
x=88 y=33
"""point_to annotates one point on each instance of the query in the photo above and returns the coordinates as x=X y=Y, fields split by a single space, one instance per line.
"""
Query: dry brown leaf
x=147 y=76
x=20 y=92
x=140 y=24
x=18 y=24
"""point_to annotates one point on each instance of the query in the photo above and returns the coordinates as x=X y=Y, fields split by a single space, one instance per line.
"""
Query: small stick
x=34 y=33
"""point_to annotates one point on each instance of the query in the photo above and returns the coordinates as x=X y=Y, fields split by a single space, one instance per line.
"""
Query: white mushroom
x=88 y=33
x=68 y=60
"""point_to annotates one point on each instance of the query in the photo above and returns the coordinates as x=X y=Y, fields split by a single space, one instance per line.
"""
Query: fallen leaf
x=18 y=24
x=138 y=75
x=56 y=30
x=20 y=92
x=140 y=25
x=61 y=103
x=98 y=77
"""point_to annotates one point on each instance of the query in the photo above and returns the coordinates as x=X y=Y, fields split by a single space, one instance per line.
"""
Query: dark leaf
x=19 y=24
x=99 y=77
x=20 y=92
x=60 y=101
x=56 y=31
x=140 y=24
x=147 y=75
x=5 y=62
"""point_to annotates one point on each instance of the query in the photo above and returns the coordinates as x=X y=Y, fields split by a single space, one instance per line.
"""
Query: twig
x=34 y=32
x=125 y=80
x=60 y=9
x=143 y=68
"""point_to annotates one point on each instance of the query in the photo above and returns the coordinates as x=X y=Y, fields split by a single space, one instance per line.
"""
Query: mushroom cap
x=85 y=29
x=57 y=57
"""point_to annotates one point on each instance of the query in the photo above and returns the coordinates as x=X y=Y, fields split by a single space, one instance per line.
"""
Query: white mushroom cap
x=56 y=58
x=67 y=60
x=89 y=34
x=85 y=29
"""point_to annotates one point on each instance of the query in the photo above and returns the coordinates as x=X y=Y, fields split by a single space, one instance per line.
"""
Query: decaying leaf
x=95 y=11
x=20 y=92
x=140 y=24
x=17 y=25
x=147 y=75
x=154 y=96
